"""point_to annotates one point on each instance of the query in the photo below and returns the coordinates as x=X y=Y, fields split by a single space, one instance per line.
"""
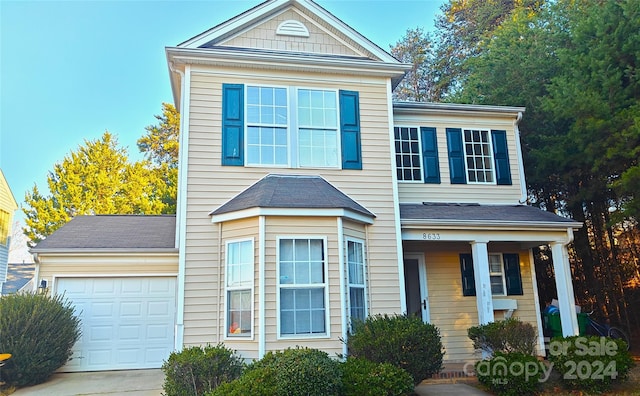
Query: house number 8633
x=431 y=236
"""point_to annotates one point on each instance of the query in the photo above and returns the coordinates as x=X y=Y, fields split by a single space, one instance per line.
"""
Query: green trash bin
x=583 y=323
x=554 y=324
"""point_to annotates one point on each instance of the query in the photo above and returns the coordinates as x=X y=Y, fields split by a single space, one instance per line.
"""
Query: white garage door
x=127 y=323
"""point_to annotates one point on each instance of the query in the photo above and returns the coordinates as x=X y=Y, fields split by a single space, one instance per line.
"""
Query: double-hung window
x=496 y=273
x=477 y=149
x=239 y=285
x=317 y=128
x=504 y=274
x=356 y=280
x=408 y=160
x=302 y=287
x=267 y=124
x=290 y=126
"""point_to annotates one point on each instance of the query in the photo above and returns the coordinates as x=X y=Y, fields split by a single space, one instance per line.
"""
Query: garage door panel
x=124 y=324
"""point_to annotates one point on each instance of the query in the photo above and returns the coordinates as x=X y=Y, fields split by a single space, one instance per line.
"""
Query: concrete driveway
x=125 y=382
x=149 y=383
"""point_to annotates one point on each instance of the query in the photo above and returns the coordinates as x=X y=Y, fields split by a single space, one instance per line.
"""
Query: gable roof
x=270 y=8
x=111 y=233
x=216 y=46
x=292 y=192
x=432 y=213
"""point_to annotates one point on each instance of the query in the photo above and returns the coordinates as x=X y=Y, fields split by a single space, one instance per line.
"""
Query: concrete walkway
x=149 y=383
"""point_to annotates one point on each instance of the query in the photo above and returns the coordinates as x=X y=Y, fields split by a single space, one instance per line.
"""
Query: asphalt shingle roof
x=113 y=232
x=456 y=212
x=292 y=191
x=18 y=274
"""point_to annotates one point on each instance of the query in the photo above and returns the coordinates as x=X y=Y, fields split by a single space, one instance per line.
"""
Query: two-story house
x=308 y=198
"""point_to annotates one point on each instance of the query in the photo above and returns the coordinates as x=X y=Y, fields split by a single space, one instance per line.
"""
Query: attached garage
x=127 y=323
x=120 y=274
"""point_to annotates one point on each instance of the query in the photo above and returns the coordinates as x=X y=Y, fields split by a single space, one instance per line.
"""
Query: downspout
x=181 y=212
x=36 y=274
x=343 y=288
x=523 y=183
x=262 y=331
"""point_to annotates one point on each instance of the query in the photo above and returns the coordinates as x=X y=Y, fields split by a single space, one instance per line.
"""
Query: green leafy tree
x=417 y=49
x=95 y=179
x=161 y=146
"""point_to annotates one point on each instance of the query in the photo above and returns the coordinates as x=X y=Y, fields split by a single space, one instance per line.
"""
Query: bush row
x=588 y=364
x=388 y=355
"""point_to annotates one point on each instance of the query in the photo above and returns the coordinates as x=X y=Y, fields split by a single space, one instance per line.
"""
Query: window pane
x=302 y=273
x=356 y=303
x=496 y=285
x=239 y=313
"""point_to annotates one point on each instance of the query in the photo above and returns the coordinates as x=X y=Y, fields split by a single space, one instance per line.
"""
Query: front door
x=415 y=279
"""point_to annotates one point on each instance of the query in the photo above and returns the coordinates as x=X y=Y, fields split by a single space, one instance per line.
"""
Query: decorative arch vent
x=292 y=28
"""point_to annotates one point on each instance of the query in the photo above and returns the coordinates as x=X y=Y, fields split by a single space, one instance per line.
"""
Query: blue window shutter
x=350 y=130
x=501 y=157
x=468 y=280
x=512 y=274
x=430 y=164
x=456 y=156
x=233 y=124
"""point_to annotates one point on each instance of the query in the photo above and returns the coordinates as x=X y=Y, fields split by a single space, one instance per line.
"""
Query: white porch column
x=484 y=299
x=566 y=298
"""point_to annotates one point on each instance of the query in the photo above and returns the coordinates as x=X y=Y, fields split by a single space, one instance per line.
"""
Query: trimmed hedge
x=362 y=377
x=197 y=370
x=403 y=341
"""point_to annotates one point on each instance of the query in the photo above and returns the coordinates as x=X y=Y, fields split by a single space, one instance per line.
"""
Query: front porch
x=464 y=268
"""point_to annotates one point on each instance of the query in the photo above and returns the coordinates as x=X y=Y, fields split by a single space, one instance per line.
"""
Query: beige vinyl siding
x=124 y=264
x=302 y=227
x=415 y=191
x=264 y=36
x=454 y=313
x=211 y=185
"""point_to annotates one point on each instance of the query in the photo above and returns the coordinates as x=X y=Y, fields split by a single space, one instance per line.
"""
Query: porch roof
x=438 y=213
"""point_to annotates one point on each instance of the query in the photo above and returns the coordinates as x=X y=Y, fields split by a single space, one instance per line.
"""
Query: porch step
x=454 y=372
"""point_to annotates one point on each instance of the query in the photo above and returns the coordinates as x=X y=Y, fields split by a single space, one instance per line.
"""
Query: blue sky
x=70 y=70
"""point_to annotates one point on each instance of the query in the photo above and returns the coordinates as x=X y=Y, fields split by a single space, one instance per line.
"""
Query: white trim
x=536 y=299
x=420 y=154
x=494 y=182
x=365 y=276
x=424 y=286
x=327 y=306
x=445 y=234
x=344 y=288
x=523 y=183
x=262 y=329
x=251 y=289
x=396 y=204
x=181 y=213
x=297 y=212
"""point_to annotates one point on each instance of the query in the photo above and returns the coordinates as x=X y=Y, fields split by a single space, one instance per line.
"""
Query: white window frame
x=350 y=284
x=501 y=274
x=489 y=143
x=325 y=285
x=228 y=289
x=292 y=128
x=420 y=163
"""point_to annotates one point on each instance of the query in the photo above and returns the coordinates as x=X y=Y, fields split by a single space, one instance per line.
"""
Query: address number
x=431 y=236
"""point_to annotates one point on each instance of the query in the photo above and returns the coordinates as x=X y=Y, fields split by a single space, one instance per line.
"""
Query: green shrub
x=39 y=332
x=511 y=374
x=506 y=336
x=196 y=370
x=255 y=382
x=362 y=377
x=292 y=372
x=404 y=341
x=592 y=364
